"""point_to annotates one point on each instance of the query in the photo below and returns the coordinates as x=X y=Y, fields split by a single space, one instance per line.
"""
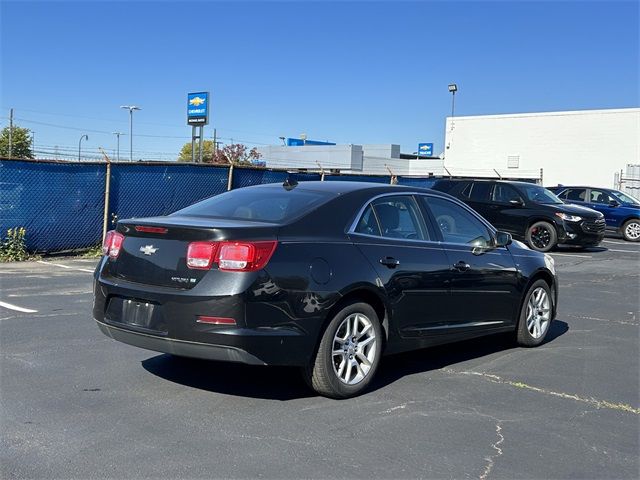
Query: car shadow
x=286 y=383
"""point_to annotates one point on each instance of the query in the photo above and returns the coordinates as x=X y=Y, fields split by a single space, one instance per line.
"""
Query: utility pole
x=117 y=134
x=131 y=108
x=215 y=141
x=10 y=132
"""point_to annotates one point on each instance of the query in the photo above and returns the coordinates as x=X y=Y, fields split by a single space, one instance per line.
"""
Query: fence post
x=107 y=188
x=394 y=178
x=541 y=176
x=230 y=182
x=321 y=171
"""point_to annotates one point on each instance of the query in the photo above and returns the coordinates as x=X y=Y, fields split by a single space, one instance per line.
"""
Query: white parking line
x=572 y=255
x=65 y=266
x=16 y=308
x=617 y=243
x=626 y=251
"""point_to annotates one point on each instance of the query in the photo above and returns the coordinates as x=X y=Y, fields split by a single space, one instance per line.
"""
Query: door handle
x=461 y=266
x=389 y=262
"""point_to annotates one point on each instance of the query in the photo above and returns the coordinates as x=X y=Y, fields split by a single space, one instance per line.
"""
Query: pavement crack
x=491 y=459
x=621 y=407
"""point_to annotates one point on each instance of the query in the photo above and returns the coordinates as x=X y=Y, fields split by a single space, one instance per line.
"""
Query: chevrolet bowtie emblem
x=148 y=250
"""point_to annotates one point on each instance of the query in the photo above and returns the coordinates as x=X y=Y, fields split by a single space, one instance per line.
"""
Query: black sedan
x=327 y=276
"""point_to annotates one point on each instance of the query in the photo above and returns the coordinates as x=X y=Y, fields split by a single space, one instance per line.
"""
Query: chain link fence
x=62 y=204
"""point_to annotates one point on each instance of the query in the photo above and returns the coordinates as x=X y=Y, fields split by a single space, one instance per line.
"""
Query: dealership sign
x=425 y=149
x=198 y=108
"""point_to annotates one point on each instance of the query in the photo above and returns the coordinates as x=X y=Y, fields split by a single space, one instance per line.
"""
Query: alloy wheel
x=538 y=312
x=354 y=349
x=540 y=237
x=632 y=231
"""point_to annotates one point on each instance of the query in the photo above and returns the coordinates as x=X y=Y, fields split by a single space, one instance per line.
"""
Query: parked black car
x=327 y=276
x=529 y=212
x=621 y=211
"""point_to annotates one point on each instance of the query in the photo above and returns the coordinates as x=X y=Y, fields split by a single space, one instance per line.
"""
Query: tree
x=235 y=153
x=207 y=152
x=20 y=142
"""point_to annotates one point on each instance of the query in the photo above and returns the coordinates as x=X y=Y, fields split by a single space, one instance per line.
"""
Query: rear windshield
x=259 y=204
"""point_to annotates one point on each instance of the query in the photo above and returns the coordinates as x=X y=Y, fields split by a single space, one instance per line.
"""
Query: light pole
x=453 y=88
x=117 y=134
x=131 y=108
x=86 y=137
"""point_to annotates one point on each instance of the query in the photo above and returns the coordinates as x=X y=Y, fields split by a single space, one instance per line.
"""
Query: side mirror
x=516 y=202
x=503 y=239
x=614 y=203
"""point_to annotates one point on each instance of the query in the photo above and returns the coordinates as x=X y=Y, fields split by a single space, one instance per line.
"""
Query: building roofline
x=604 y=111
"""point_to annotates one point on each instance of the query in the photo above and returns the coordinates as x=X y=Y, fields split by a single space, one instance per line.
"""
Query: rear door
x=483 y=279
x=600 y=200
x=410 y=263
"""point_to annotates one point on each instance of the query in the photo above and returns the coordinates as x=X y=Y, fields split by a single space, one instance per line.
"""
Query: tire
x=327 y=374
x=535 y=315
x=631 y=230
x=541 y=236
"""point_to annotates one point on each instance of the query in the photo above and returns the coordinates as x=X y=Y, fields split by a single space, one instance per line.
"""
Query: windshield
x=539 y=194
x=624 y=198
x=258 y=204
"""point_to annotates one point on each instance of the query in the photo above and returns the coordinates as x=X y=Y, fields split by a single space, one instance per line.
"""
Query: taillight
x=244 y=256
x=112 y=244
x=230 y=256
x=200 y=255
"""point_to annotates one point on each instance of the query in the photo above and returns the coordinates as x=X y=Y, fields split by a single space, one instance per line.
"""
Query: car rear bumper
x=179 y=347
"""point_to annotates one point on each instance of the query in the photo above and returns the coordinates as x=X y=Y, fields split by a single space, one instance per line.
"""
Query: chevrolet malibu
x=326 y=276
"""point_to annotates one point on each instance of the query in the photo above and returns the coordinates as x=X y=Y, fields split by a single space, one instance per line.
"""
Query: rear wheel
x=631 y=230
x=349 y=353
x=542 y=236
x=535 y=316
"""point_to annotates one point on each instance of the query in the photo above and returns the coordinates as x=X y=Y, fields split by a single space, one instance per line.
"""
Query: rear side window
x=259 y=204
x=400 y=217
x=479 y=191
x=368 y=223
x=574 y=194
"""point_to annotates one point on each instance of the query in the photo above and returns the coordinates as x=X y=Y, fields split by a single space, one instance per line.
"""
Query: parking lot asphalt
x=76 y=404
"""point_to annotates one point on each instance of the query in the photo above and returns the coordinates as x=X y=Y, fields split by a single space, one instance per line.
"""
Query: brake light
x=112 y=244
x=147 y=229
x=230 y=256
x=244 y=256
x=200 y=255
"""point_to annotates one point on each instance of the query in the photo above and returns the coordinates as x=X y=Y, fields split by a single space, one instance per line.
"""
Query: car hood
x=577 y=210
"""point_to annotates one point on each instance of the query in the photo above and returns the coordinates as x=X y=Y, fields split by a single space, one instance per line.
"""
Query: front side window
x=503 y=193
x=399 y=217
x=599 y=196
x=456 y=224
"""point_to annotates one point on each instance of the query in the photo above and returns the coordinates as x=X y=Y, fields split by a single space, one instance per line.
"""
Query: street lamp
x=453 y=88
x=86 y=137
x=117 y=134
x=131 y=108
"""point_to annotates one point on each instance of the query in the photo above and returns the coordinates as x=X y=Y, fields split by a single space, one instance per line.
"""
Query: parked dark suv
x=621 y=212
x=529 y=212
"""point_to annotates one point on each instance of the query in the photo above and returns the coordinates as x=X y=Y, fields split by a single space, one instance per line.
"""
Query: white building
x=357 y=159
x=577 y=147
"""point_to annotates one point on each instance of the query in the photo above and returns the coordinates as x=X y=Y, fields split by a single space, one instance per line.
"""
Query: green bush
x=12 y=248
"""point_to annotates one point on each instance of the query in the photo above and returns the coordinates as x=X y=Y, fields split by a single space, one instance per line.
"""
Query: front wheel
x=348 y=354
x=541 y=236
x=631 y=230
x=536 y=314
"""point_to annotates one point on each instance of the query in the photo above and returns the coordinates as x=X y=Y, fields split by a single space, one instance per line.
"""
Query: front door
x=483 y=278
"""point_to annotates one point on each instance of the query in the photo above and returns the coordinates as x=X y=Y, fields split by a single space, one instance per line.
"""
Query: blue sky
x=348 y=72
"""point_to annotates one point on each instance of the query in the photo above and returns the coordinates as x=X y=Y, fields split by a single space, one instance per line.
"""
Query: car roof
x=340 y=187
x=581 y=186
x=485 y=180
